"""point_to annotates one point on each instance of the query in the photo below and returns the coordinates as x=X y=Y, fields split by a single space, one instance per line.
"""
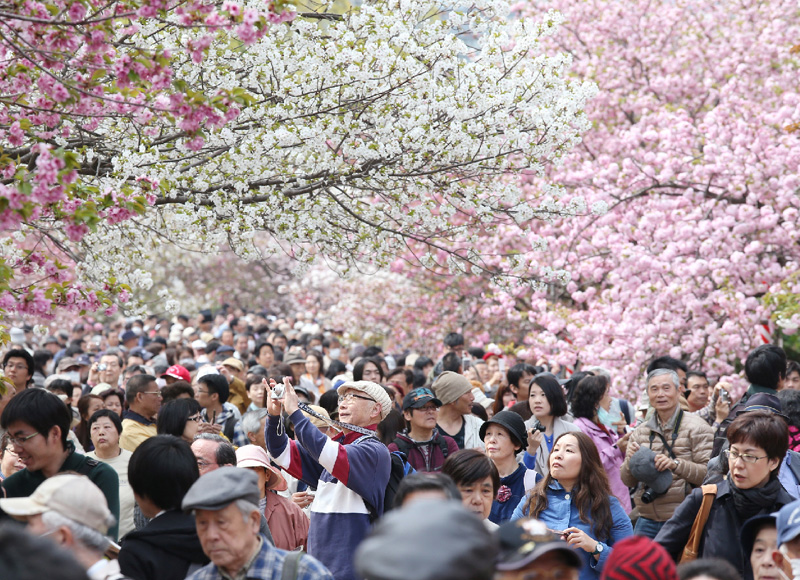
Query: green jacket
x=24 y=482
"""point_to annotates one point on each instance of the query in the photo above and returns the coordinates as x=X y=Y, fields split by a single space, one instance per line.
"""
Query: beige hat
x=73 y=496
x=449 y=386
x=234 y=363
x=481 y=398
x=318 y=423
x=255 y=456
x=101 y=388
x=374 y=390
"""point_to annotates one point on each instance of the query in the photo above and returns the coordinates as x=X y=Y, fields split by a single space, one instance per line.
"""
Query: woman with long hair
x=575 y=500
x=503 y=399
x=314 y=378
x=548 y=406
x=589 y=394
x=87 y=405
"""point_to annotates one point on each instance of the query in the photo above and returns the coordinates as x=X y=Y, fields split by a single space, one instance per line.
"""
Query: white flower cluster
x=396 y=124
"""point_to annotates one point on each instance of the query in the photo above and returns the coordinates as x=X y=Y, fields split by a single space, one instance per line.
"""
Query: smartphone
x=501 y=363
x=465 y=363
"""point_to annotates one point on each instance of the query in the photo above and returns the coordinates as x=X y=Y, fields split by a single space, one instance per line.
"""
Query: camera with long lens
x=650 y=495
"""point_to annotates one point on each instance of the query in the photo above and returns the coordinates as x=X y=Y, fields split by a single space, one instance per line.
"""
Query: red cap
x=178 y=372
x=489 y=355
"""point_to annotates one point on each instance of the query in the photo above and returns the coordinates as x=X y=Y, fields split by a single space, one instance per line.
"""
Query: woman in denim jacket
x=575 y=500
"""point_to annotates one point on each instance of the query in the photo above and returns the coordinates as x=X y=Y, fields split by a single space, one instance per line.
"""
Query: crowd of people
x=239 y=445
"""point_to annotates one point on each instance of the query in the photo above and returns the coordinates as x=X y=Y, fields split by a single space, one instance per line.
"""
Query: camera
x=649 y=495
x=277 y=392
x=725 y=396
x=539 y=427
x=102 y=367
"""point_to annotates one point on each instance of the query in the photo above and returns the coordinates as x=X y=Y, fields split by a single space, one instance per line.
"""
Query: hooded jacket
x=167 y=548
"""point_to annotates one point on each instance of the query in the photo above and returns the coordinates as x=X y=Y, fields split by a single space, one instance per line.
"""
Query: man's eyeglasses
x=19 y=441
x=152 y=393
x=197 y=418
x=15 y=366
x=351 y=396
x=733 y=456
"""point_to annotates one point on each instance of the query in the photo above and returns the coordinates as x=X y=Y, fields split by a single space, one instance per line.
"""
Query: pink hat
x=178 y=372
x=255 y=456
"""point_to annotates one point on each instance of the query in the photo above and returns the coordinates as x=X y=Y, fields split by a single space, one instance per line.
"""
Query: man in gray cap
x=351 y=471
x=225 y=506
x=455 y=415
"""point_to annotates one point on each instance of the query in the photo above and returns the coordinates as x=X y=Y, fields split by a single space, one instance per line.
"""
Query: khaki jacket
x=692 y=448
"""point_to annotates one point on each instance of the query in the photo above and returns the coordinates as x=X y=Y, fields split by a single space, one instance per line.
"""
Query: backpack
x=405 y=447
x=399 y=468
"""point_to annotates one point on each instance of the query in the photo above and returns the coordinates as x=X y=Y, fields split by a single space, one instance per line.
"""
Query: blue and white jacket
x=349 y=472
x=562 y=513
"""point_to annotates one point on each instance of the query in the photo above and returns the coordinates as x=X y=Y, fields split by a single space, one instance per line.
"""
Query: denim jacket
x=562 y=513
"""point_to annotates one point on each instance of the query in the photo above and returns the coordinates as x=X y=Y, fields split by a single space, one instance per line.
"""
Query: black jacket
x=164 y=549
x=721 y=534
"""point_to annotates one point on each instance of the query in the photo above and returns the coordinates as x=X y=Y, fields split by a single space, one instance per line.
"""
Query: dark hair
x=479 y=411
x=497 y=406
x=454 y=339
x=175 y=390
x=40 y=409
x=162 y=469
x=419 y=378
x=261 y=345
x=358 y=369
x=4 y=441
x=422 y=362
x=573 y=381
x=40 y=358
x=766 y=366
x=82 y=429
x=711 y=567
x=329 y=400
x=20 y=353
x=791 y=367
x=763 y=428
x=790 y=405
x=426 y=481
x=700 y=374
x=667 y=362
x=113 y=417
x=137 y=384
x=216 y=384
x=516 y=372
x=172 y=417
x=114 y=354
x=470 y=466
x=552 y=392
x=225 y=454
x=451 y=362
x=590 y=493
x=587 y=396
x=24 y=556
x=476 y=352
x=335 y=368
x=113 y=393
x=393 y=424
x=60 y=386
x=372 y=351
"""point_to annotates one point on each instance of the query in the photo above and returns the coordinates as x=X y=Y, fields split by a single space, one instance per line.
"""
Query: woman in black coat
x=758 y=443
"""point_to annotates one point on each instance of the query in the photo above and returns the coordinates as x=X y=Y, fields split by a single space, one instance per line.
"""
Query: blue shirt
x=562 y=513
x=268 y=565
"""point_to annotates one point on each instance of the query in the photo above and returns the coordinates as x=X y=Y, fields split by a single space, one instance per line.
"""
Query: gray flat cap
x=428 y=540
x=643 y=468
x=218 y=489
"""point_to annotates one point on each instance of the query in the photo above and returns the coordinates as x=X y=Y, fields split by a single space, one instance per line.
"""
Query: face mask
x=604 y=417
x=318 y=348
x=161 y=382
x=49 y=368
x=137 y=330
x=74 y=376
x=251 y=345
x=793 y=562
x=334 y=353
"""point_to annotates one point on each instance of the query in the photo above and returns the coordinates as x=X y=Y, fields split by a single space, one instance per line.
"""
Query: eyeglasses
x=195 y=418
x=13 y=366
x=199 y=392
x=152 y=393
x=202 y=463
x=428 y=409
x=732 y=456
x=19 y=441
x=351 y=396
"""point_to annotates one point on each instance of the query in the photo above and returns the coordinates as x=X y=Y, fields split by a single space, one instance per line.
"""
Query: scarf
x=749 y=502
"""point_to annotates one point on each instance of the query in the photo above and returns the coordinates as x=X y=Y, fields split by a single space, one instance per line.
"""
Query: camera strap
x=338 y=424
x=667 y=446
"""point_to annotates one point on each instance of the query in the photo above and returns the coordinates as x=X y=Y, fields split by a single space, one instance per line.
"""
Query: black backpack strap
x=442 y=445
x=228 y=428
x=291 y=563
x=402 y=445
